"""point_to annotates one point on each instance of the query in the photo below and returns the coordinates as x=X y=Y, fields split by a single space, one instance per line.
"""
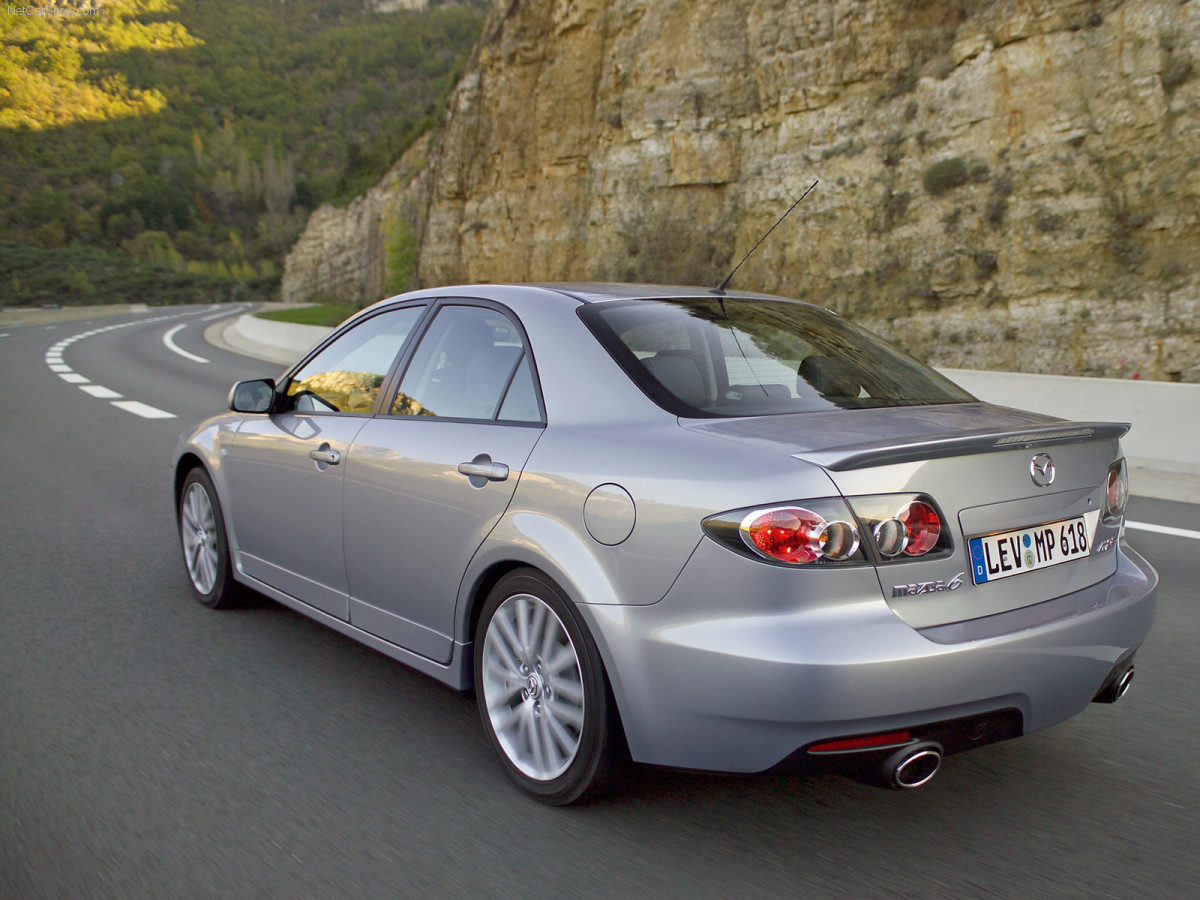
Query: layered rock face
x=1006 y=184
x=342 y=253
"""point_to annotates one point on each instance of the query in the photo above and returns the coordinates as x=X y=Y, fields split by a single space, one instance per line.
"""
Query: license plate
x=996 y=556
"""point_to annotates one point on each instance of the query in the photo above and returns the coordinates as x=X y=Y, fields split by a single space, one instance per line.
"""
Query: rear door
x=428 y=479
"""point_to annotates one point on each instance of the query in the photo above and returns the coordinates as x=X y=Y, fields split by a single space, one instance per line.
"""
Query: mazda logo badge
x=1041 y=470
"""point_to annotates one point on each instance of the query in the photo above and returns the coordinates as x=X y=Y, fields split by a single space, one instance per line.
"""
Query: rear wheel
x=205 y=548
x=543 y=695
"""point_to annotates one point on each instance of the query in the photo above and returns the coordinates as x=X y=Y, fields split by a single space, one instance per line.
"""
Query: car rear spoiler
x=939 y=446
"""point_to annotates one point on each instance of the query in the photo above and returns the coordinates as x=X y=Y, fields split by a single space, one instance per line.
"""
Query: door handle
x=325 y=455
x=481 y=469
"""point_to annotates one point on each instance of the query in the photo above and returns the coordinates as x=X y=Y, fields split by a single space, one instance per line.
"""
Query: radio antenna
x=720 y=288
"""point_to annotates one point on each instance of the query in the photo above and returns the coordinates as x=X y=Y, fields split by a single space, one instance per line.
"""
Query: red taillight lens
x=921 y=522
x=1117 y=493
x=788 y=535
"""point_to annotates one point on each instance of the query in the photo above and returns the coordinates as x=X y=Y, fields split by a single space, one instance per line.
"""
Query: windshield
x=702 y=357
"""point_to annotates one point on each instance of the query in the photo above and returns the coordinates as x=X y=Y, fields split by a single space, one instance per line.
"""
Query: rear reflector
x=893 y=739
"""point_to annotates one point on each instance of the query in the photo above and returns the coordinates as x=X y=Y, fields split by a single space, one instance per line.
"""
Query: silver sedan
x=719 y=531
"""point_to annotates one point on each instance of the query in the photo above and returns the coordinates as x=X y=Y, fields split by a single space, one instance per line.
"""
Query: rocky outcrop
x=343 y=252
x=1003 y=184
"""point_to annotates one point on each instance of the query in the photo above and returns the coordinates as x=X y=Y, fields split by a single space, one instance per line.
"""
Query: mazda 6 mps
x=725 y=532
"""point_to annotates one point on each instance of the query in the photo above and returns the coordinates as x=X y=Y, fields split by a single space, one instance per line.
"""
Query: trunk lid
x=975 y=461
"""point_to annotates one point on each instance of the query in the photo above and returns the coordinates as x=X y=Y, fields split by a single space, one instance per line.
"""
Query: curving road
x=152 y=748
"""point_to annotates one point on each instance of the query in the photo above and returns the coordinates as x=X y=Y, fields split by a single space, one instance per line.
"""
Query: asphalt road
x=150 y=748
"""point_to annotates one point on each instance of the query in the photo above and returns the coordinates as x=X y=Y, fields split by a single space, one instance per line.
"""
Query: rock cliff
x=1004 y=184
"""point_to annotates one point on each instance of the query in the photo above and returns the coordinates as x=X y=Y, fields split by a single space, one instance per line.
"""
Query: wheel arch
x=183 y=466
x=530 y=540
x=482 y=586
x=535 y=542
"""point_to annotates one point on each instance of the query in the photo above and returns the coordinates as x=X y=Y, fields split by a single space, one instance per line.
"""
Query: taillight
x=903 y=526
x=1116 y=493
x=921 y=522
x=815 y=533
x=882 y=528
x=797 y=535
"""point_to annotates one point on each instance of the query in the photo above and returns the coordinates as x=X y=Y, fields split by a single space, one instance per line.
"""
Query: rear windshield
x=701 y=357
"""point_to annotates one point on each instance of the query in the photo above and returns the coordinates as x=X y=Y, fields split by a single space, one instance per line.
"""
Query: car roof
x=587 y=292
x=602 y=292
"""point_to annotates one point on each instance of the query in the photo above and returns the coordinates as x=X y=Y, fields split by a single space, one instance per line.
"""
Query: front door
x=285 y=470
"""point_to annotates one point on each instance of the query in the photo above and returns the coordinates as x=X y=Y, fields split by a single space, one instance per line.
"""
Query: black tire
x=204 y=544
x=541 y=691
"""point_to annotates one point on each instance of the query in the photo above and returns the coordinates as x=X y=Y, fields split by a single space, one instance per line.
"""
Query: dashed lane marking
x=142 y=409
x=221 y=315
x=100 y=392
x=1164 y=529
x=54 y=362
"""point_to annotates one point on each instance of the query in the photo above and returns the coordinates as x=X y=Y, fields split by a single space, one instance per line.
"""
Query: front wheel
x=205 y=547
x=543 y=695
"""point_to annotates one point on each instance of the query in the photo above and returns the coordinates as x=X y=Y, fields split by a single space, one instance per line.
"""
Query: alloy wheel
x=533 y=687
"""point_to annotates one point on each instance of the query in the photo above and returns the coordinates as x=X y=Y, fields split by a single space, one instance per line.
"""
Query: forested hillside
x=184 y=142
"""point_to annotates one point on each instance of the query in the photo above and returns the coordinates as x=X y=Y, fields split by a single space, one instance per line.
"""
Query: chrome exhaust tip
x=1122 y=685
x=913 y=766
x=1116 y=688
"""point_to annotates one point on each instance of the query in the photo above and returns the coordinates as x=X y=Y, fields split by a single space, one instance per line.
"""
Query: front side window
x=471 y=363
x=704 y=357
x=346 y=376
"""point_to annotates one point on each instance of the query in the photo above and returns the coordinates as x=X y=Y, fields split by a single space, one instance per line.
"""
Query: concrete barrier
x=280 y=342
x=1166 y=417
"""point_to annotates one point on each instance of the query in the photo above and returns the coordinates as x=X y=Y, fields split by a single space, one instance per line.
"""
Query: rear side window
x=472 y=363
x=702 y=357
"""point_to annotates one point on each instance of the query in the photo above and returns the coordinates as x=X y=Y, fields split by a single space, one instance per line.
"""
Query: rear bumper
x=736 y=669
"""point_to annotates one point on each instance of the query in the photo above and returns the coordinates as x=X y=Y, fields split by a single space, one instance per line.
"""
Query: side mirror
x=257 y=396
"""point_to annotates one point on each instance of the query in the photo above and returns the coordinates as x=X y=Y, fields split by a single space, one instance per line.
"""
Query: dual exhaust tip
x=914 y=765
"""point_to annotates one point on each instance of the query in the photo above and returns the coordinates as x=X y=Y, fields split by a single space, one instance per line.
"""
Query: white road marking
x=220 y=315
x=99 y=391
x=6 y=334
x=1164 y=529
x=142 y=409
x=170 y=344
x=54 y=362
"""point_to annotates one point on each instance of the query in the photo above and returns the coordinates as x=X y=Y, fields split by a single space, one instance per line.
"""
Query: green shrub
x=400 y=249
x=946 y=175
x=326 y=314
